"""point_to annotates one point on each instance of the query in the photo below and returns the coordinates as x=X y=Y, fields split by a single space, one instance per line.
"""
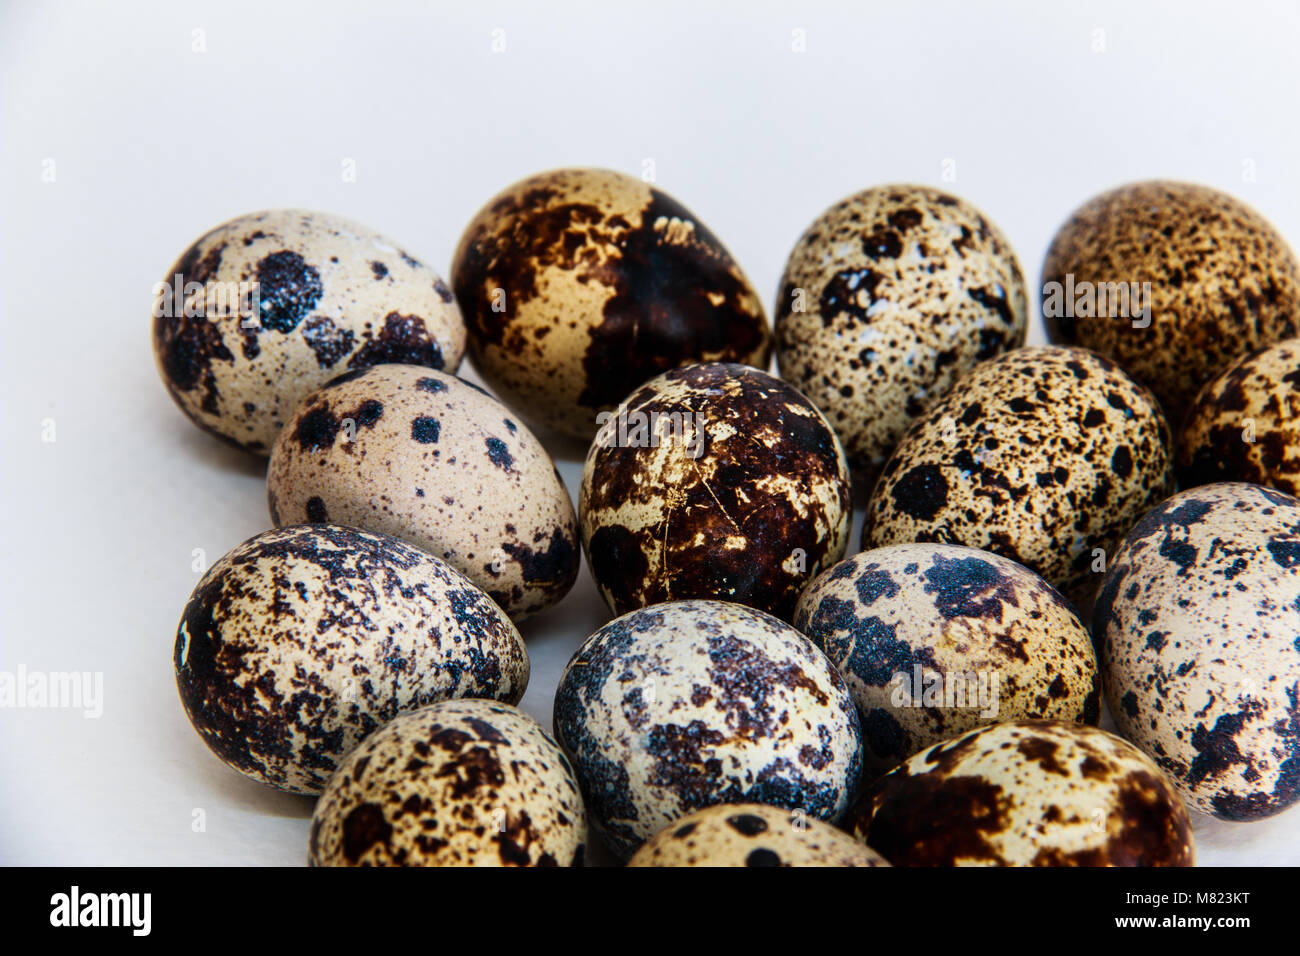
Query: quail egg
x=269 y=306
x=438 y=462
x=1198 y=631
x=303 y=640
x=459 y=783
x=580 y=284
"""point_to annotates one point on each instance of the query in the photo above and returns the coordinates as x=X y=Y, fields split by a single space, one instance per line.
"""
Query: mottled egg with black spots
x=693 y=703
x=1198 y=630
x=580 y=284
x=938 y=639
x=1245 y=425
x=269 y=306
x=305 y=639
x=1213 y=281
x=751 y=834
x=434 y=460
x=459 y=783
x=888 y=298
x=1044 y=455
x=713 y=481
x=1026 y=793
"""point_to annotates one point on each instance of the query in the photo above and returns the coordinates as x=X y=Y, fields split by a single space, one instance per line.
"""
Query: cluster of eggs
x=759 y=699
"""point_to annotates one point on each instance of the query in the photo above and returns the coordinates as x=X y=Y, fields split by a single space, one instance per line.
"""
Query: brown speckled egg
x=303 y=640
x=1222 y=281
x=1026 y=793
x=713 y=481
x=580 y=284
x=330 y=296
x=1198 y=630
x=1245 y=425
x=887 y=299
x=751 y=834
x=434 y=460
x=687 y=704
x=1044 y=455
x=937 y=639
x=460 y=783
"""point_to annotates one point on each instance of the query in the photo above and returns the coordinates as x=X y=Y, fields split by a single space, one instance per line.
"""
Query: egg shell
x=693 y=703
x=332 y=296
x=1026 y=793
x=938 y=639
x=580 y=284
x=751 y=834
x=744 y=496
x=1245 y=425
x=1043 y=455
x=1198 y=630
x=303 y=640
x=459 y=783
x=888 y=298
x=438 y=462
x=1223 y=283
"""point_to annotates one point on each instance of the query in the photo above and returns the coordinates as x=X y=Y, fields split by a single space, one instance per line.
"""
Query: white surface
x=154 y=143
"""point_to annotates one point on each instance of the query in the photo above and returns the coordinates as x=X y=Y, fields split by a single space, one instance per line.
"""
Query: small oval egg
x=1043 y=455
x=888 y=298
x=751 y=834
x=1213 y=279
x=688 y=704
x=303 y=640
x=580 y=284
x=1198 y=630
x=434 y=460
x=713 y=481
x=1026 y=793
x=1245 y=425
x=459 y=783
x=937 y=639
x=269 y=306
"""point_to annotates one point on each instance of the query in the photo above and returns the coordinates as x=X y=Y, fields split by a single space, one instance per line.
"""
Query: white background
x=153 y=143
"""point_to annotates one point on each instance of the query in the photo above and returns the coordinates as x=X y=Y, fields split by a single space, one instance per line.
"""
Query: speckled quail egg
x=1218 y=279
x=1043 y=455
x=938 y=639
x=1026 y=793
x=269 y=306
x=303 y=640
x=693 y=703
x=580 y=284
x=459 y=783
x=713 y=481
x=438 y=462
x=1198 y=630
x=887 y=299
x=1245 y=425
x=751 y=834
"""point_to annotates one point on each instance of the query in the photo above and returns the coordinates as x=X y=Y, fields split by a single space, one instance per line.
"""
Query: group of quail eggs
x=759 y=699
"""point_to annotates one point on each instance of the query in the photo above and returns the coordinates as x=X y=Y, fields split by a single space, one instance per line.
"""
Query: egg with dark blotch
x=1044 y=455
x=1198 y=630
x=580 y=284
x=1245 y=425
x=304 y=640
x=1026 y=793
x=436 y=461
x=271 y=305
x=888 y=298
x=1219 y=281
x=713 y=481
x=753 y=835
x=460 y=783
x=694 y=703
x=938 y=639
